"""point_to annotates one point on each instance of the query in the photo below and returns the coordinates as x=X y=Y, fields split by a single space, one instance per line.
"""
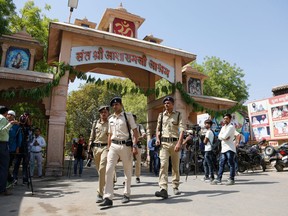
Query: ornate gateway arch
x=113 y=49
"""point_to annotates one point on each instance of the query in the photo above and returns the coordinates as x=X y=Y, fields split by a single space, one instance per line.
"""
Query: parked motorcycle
x=278 y=157
x=251 y=157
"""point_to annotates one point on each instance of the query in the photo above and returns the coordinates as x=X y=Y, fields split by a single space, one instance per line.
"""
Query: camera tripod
x=25 y=159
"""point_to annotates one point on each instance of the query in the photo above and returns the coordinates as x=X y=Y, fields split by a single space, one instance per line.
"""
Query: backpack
x=216 y=144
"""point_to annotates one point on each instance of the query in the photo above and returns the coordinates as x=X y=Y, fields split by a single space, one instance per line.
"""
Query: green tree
x=36 y=24
x=225 y=80
x=7 y=10
x=163 y=88
x=83 y=104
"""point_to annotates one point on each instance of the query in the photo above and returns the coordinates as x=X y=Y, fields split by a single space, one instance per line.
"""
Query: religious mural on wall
x=194 y=86
x=18 y=58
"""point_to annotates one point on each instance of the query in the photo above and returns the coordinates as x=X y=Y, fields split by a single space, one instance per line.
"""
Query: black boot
x=163 y=193
x=107 y=203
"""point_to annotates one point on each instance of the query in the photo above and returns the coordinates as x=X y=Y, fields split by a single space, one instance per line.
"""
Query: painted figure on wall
x=18 y=58
x=194 y=86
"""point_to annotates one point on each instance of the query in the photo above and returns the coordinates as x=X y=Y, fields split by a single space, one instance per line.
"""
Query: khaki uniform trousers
x=167 y=149
x=125 y=154
x=138 y=163
x=100 y=159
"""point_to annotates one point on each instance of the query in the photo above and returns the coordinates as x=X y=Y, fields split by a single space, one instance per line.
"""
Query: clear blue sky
x=253 y=34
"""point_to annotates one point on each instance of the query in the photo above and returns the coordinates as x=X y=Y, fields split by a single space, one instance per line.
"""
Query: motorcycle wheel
x=279 y=167
x=241 y=168
x=269 y=150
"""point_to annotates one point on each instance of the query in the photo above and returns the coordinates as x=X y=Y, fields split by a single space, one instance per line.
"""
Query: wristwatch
x=135 y=146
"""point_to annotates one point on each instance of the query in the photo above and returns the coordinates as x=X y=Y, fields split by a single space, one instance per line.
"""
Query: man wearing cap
x=121 y=146
x=98 y=144
x=5 y=126
x=169 y=135
x=15 y=142
x=141 y=137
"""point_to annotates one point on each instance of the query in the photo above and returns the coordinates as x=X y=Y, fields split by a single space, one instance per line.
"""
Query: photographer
x=23 y=157
x=36 y=146
x=15 y=142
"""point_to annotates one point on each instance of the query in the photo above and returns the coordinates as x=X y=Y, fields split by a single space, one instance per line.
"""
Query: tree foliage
x=83 y=104
x=225 y=80
x=7 y=10
x=36 y=24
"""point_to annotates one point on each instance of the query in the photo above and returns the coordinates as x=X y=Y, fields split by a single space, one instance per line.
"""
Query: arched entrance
x=112 y=49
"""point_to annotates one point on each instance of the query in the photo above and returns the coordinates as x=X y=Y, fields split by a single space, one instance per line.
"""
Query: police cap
x=168 y=98
x=103 y=107
x=115 y=100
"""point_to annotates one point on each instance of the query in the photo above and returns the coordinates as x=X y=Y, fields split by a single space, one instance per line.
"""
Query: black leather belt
x=169 y=139
x=119 y=142
x=3 y=142
x=98 y=144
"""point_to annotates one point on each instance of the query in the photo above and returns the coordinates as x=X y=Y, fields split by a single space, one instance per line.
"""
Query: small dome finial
x=121 y=7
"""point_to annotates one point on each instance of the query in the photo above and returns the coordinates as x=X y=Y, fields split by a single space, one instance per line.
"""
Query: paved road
x=258 y=193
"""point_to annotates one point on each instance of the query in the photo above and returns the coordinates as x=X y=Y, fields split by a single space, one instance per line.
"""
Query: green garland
x=44 y=91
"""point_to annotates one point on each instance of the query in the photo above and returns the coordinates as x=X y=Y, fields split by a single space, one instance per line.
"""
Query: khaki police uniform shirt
x=171 y=127
x=118 y=126
x=99 y=132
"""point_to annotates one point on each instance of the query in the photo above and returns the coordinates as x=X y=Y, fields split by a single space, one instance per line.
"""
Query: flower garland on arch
x=38 y=93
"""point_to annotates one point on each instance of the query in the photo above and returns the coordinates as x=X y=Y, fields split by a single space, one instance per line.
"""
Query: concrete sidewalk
x=255 y=193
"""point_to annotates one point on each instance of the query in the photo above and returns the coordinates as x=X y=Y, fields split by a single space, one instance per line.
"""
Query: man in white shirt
x=228 y=150
x=208 y=156
x=36 y=152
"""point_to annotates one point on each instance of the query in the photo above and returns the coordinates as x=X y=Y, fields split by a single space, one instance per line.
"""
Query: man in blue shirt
x=15 y=141
x=154 y=155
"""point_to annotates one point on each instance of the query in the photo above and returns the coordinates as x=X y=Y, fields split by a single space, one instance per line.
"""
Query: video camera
x=24 y=119
x=196 y=128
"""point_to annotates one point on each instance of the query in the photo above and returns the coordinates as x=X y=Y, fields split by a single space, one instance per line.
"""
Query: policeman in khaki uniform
x=141 y=137
x=170 y=130
x=98 y=142
x=120 y=147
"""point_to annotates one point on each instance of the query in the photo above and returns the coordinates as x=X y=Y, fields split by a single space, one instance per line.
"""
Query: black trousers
x=4 y=165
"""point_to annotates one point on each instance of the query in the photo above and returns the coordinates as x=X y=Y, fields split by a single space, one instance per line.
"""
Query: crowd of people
x=20 y=144
x=115 y=137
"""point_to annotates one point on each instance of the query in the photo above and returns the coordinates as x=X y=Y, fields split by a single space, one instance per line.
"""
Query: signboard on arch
x=99 y=54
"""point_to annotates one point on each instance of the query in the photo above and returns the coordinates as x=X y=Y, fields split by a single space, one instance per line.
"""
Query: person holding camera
x=36 y=146
x=121 y=146
x=15 y=142
x=98 y=142
x=169 y=136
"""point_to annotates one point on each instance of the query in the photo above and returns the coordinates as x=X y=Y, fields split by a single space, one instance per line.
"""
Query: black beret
x=103 y=107
x=168 y=98
x=115 y=100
